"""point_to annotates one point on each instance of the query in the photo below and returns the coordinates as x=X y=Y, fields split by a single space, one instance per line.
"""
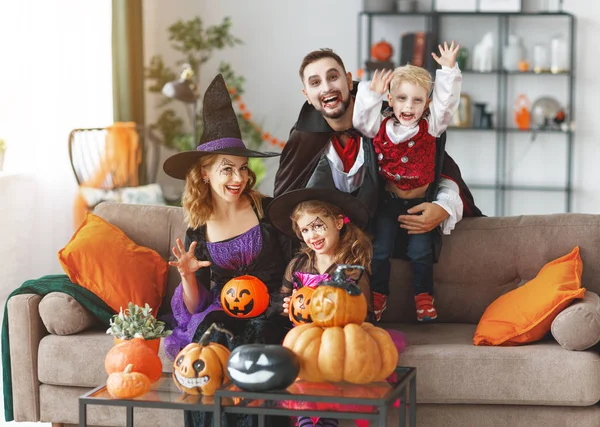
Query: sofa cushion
x=526 y=314
x=63 y=315
x=577 y=327
x=450 y=369
x=101 y=258
x=78 y=360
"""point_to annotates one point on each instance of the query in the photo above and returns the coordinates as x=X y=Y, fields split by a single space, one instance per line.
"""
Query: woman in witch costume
x=228 y=236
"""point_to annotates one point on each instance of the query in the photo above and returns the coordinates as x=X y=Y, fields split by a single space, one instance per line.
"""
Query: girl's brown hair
x=197 y=196
x=354 y=246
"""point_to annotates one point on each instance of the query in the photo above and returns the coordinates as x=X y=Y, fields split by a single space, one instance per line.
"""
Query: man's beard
x=339 y=112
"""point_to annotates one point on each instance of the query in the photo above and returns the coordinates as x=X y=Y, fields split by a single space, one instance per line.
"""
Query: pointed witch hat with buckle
x=220 y=133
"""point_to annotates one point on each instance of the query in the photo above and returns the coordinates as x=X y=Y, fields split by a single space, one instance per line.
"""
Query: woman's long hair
x=197 y=195
x=354 y=246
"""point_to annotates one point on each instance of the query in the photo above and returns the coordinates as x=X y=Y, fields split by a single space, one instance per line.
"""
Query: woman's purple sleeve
x=180 y=311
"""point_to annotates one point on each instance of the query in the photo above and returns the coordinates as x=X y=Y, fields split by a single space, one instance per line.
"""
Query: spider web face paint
x=317 y=226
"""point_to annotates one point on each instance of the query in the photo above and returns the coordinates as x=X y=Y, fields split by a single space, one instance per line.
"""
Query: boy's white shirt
x=367 y=119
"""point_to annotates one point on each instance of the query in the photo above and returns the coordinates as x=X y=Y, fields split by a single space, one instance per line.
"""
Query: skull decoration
x=199 y=368
x=244 y=296
x=299 y=306
x=261 y=367
x=338 y=301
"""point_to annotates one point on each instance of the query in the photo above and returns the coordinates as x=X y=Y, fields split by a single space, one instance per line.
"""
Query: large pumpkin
x=382 y=51
x=300 y=306
x=199 y=368
x=127 y=384
x=244 y=296
x=136 y=352
x=262 y=367
x=338 y=301
x=357 y=354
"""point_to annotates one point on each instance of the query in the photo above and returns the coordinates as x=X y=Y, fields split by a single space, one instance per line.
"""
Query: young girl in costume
x=330 y=223
x=406 y=153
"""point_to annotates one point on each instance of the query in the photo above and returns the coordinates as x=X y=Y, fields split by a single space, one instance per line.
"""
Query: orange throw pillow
x=101 y=258
x=525 y=314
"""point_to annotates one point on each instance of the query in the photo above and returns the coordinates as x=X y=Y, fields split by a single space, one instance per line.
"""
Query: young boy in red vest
x=405 y=145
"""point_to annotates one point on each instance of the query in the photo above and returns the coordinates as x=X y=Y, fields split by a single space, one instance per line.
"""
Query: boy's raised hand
x=447 y=56
x=381 y=81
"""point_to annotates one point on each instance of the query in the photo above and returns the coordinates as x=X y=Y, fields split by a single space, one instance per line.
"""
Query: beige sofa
x=458 y=384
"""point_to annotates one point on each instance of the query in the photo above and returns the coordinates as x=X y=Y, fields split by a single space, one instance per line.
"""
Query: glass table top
x=301 y=395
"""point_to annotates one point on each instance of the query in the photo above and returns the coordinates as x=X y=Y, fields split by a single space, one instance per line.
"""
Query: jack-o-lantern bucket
x=245 y=297
x=300 y=306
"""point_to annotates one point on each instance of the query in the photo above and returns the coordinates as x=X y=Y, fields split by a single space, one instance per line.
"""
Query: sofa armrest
x=25 y=331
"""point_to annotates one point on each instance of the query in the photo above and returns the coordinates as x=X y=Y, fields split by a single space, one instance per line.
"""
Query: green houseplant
x=137 y=322
x=196 y=43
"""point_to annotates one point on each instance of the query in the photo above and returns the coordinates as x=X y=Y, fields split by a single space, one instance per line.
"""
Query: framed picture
x=500 y=5
x=456 y=5
x=462 y=118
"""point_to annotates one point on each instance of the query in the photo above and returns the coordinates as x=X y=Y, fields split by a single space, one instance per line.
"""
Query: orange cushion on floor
x=101 y=258
x=525 y=314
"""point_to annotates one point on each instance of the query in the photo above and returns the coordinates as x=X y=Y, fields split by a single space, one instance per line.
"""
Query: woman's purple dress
x=229 y=254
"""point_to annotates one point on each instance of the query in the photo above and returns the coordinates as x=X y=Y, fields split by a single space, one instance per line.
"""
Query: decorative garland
x=266 y=136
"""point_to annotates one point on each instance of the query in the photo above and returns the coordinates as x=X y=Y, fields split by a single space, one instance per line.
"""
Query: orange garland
x=266 y=136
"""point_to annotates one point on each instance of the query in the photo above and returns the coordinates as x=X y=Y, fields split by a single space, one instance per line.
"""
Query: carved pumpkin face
x=300 y=306
x=200 y=369
x=244 y=296
x=334 y=306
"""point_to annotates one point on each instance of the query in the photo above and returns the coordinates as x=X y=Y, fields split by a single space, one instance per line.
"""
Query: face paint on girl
x=320 y=235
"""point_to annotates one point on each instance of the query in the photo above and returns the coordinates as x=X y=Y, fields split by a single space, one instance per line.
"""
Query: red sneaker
x=425 y=308
x=379 y=304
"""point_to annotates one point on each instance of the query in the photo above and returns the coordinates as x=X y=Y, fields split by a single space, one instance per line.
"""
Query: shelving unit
x=502 y=129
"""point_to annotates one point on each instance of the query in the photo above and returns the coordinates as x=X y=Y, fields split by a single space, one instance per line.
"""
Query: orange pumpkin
x=382 y=51
x=127 y=384
x=244 y=296
x=358 y=354
x=300 y=306
x=200 y=368
x=338 y=305
x=136 y=352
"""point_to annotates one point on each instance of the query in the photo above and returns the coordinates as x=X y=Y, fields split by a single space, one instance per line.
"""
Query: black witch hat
x=220 y=133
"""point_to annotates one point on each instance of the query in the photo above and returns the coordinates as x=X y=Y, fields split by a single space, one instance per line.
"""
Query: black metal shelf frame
x=432 y=20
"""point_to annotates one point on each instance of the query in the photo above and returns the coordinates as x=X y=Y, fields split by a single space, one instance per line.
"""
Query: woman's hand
x=186 y=263
x=447 y=56
x=381 y=81
x=286 y=304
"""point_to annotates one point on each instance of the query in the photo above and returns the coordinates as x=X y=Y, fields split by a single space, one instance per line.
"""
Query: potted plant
x=2 y=151
x=137 y=322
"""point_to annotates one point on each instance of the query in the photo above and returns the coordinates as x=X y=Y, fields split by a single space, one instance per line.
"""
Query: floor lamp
x=185 y=90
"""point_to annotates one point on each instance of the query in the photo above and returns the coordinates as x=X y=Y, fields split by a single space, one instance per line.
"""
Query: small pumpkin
x=200 y=368
x=358 y=354
x=245 y=296
x=262 y=367
x=299 y=307
x=127 y=384
x=339 y=301
x=382 y=51
x=136 y=352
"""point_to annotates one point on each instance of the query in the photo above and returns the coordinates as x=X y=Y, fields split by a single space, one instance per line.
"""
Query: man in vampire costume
x=323 y=150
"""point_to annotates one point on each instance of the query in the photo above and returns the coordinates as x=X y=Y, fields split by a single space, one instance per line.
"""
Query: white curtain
x=55 y=75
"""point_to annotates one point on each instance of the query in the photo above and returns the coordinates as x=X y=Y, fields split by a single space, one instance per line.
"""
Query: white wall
x=276 y=38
